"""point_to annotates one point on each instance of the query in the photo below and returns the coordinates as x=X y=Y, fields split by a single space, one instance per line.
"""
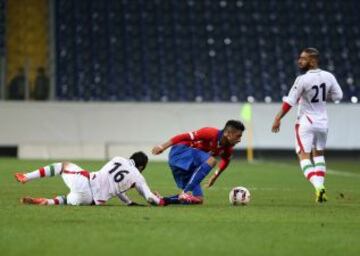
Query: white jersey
x=311 y=91
x=115 y=178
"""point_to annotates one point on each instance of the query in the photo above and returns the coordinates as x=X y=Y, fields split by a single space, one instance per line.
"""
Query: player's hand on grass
x=276 y=125
x=135 y=204
x=211 y=181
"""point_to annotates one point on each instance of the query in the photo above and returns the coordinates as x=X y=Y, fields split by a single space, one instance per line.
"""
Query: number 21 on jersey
x=317 y=89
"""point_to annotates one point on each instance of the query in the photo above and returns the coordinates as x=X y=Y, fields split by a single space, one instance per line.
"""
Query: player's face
x=304 y=61
x=233 y=136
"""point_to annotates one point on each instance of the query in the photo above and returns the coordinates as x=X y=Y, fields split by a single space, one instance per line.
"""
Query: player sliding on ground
x=192 y=156
x=311 y=91
x=95 y=188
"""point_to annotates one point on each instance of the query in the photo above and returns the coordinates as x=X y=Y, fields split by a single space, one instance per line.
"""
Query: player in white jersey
x=311 y=91
x=96 y=188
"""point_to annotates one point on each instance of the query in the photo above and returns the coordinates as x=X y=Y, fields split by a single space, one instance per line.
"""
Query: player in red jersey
x=192 y=156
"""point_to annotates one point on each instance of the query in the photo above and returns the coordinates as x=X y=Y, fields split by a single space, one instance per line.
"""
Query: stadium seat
x=2 y=27
x=215 y=51
x=2 y=47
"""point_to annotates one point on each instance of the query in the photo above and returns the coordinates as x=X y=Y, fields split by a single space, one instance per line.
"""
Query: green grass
x=282 y=218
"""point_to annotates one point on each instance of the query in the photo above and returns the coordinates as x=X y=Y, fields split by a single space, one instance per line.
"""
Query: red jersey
x=206 y=139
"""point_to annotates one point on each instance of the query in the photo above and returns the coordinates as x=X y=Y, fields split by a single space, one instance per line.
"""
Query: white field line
x=328 y=171
x=342 y=173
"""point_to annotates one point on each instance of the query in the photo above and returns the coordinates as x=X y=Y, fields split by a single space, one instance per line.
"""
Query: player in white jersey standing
x=96 y=188
x=311 y=91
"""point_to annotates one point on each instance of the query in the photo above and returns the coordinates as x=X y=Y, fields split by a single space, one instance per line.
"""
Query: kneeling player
x=192 y=157
x=96 y=188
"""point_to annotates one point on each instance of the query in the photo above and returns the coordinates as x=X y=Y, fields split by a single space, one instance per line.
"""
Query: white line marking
x=328 y=171
x=342 y=173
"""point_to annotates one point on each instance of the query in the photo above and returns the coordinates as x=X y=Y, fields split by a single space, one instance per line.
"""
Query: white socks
x=57 y=200
x=310 y=173
x=320 y=168
x=47 y=171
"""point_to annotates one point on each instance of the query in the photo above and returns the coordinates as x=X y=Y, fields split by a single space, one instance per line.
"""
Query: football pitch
x=281 y=219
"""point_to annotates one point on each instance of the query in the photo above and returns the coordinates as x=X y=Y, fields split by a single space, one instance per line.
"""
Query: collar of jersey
x=219 y=136
x=314 y=70
x=132 y=162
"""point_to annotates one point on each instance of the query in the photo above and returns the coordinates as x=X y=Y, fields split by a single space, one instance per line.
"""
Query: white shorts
x=77 y=180
x=309 y=136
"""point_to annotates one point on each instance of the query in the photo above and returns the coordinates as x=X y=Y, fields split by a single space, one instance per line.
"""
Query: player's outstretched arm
x=213 y=178
x=161 y=148
x=225 y=160
x=124 y=198
x=187 y=136
x=145 y=192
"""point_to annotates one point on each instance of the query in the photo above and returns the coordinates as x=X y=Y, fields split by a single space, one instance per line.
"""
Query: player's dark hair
x=313 y=52
x=140 y=159
x=235 y=124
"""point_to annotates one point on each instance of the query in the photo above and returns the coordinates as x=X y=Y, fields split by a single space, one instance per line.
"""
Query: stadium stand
x=2 y=47
x=2 y=27
x=227 y=50
x=27 y=46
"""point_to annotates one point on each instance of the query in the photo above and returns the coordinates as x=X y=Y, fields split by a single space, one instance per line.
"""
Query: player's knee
x=212 y=161
x=77 y=199
x=318 y=153
x=72 y=199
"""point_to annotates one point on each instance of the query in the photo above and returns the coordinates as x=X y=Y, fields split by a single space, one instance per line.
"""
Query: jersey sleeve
x=225 y=159
x=205 y=133
x=144 y=190
x=335 y=92
x=295 y=92
x=124 y=198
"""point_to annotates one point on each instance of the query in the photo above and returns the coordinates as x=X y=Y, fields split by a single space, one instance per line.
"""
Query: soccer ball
x=239 y=196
